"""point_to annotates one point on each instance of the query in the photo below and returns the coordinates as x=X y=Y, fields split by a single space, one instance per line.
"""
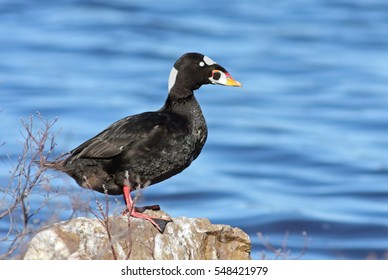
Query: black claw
x=161 y=224
x=141 y=209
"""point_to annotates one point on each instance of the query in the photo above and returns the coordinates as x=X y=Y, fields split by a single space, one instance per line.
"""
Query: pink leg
x=159 y=223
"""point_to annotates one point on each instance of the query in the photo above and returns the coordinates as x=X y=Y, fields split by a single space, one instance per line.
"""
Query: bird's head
x=193 y=70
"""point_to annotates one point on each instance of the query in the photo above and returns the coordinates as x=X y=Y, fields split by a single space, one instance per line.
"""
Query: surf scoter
x=147 y=148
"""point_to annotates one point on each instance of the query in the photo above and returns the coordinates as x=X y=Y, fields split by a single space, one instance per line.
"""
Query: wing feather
x=141 y=128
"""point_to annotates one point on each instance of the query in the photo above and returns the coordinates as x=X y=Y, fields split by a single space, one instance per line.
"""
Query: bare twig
x=103 y=211
x=283 y=252
x=103 y=216
x=25 y=176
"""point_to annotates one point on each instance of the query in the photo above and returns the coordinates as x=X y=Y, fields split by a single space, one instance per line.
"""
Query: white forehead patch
x=172 y=78
x=208 y=60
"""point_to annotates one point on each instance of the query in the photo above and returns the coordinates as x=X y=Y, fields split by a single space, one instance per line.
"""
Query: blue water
x=302 y=147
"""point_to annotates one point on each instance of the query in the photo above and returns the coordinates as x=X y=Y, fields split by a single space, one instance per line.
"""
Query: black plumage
x=147 y=148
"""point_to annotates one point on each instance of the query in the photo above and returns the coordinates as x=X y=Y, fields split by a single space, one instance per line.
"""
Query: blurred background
x=299 y=154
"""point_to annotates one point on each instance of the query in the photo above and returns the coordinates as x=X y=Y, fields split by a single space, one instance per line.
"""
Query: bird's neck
x=182 y=103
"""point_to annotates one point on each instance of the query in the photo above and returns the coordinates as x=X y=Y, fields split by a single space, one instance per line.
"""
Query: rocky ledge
x=183 y=239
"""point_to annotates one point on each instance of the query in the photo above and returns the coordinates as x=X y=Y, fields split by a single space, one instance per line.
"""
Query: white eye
x=202 y=64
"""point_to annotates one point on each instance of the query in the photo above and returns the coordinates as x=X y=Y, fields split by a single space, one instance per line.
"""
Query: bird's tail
x=58 y=164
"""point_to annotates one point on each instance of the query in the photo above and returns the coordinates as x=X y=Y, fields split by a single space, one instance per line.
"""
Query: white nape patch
x=202 y=64
x=172 y=78
x=208 y=60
